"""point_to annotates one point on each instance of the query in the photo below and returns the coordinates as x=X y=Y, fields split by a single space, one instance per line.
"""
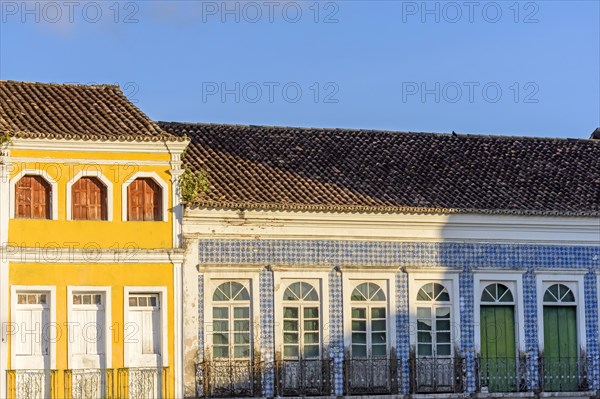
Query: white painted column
x=178 y=320
x=5 y=167
x=190 y=316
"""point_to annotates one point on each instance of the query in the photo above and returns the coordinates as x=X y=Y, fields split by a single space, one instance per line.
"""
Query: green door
x=561 y=372
x=498 y=368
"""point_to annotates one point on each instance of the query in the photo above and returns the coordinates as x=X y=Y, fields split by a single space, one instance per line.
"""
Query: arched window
x=301 y=322
x=144 y=200
x=231 y=321
x=559 y=294
x=89 y=199
x=434 y=320
x=497 y=294
x=32 y=198
x=369 y=321
x=561 y=343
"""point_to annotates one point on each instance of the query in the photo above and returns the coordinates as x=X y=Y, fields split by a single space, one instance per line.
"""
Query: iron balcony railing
x=122 y=383
x=303 y=377
x=229 y=378
x=563 y=375
x=501 y=374
x=371 y=376
x=436 y=374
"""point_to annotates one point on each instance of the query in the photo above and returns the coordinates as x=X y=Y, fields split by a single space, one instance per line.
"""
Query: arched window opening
x=369 y=321
x=231 y=321
x=32 y=198
x=434 y=321
x=301 y=322
x=144 y=200
x=89 y=198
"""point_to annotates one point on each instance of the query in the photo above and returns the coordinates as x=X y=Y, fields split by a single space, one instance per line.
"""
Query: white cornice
x=53 y=255
x=213 y=223
x=156 y=147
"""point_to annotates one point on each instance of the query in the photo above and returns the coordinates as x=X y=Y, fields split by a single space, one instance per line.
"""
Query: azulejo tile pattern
x=467 y=327
x=402 y=330
x=336 y=338
x=267 y=326
x=415 y=254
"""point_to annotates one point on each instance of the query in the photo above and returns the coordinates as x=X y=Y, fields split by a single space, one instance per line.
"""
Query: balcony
x=303 y=377
x=501 y=374
x=371 y=376
x=122 y=383
x=436 y=375
x=229 y=378
x=563 y=375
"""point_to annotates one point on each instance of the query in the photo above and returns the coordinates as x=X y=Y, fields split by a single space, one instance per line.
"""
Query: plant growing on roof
x=191 y=184
x=5 y=140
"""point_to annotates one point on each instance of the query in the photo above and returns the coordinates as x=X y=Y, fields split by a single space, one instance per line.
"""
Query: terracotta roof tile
x=67 y=111
x=357 y=170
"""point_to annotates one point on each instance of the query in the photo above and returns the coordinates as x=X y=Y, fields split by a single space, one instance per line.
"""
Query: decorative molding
x=218 y=223
x=495 y=270
x=90 y=161
x=430 y=270
x=217 y=267
x=35 y=172
x=157 y=147
x=54 y=255
x=369 y=269
x=109 y=192
x=164 y=194
x=561 y=271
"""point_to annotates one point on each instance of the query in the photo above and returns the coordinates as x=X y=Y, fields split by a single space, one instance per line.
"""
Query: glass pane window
x=497 y=293
x=368 y=321
x=559 y=293
x=32 y=299
x=434 y=337
x=135 y=300
x=434 y=320
x=231 y=328
x=301 y=322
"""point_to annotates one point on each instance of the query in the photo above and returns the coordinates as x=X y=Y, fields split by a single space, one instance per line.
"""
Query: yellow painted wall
x=91 y=234
x=114 y=275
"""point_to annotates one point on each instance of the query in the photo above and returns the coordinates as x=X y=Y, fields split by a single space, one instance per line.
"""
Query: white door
x=31 y=345
x=143 y=340
x=87 y=344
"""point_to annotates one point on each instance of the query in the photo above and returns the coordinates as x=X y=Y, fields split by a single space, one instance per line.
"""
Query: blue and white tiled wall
x=465 y=256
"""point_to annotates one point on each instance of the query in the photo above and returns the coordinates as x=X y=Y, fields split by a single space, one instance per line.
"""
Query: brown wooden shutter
x=89 y=199
x=32 y=198
x=144 y=200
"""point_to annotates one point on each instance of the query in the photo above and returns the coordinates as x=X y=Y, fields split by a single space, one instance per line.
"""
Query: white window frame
x=514 y=281
x=417 y=278
x=108 y=337
x=574 y=279
x=320 y=280
x=164 y=193
x=109 y=193
x=386 y=279
x=164 y=317
x=44 y=175
x=50 y=290
x=250 y=280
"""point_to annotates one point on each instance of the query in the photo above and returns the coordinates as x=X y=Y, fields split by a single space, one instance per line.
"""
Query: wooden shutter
x=32 y=198
x=144 y=200
x=89 y=199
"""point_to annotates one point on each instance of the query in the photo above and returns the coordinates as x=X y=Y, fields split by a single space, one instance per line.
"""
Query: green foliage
x=5 y=140
x=192 y=184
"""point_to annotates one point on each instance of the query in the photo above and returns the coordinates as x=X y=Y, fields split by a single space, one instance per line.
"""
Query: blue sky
x=506 y=67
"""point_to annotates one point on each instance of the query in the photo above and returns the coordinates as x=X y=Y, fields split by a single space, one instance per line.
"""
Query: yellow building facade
x=90 y=219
